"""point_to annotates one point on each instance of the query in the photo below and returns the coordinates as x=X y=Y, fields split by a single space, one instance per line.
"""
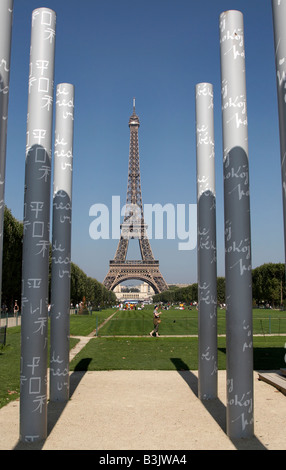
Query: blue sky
x=156 y=51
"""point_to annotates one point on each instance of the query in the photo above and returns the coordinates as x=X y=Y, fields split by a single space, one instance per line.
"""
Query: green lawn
x=82 y=325
x=10 y=365
x=168 y=354
x=111 y=350
x=185 y=322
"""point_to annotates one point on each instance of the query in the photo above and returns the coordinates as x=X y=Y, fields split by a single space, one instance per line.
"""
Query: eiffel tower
x=134 y=227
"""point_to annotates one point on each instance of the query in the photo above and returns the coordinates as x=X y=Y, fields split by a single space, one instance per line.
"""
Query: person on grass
x=156 y=321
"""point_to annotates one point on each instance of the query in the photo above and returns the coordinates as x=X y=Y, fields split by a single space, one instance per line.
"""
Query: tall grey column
x=35 y=271
x=206 y=246
x=61 y=244
x=239 y=348
x=6 y=17
x=279 y=27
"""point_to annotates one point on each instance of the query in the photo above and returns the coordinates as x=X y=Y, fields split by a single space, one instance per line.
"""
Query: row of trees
x=81 y=285
x=189 y=294
x=268 y=287
x=268 y=280
x=12 y=259
x=88 y=287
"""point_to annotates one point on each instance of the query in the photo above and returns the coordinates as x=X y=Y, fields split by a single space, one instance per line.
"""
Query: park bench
x=275 y=378
x=3 y=335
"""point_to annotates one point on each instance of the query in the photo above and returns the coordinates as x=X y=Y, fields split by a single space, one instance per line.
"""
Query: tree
x=268 y=283
x=273 y=290
x=88 y=287
x=12 y=259
x=221 y=290
x=81 y=285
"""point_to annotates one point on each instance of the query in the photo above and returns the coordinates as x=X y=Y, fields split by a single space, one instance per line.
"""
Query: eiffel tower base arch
x=147 y=271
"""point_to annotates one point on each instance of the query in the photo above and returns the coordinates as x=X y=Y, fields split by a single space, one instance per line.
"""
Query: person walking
x=156 y=321
x=16 y=309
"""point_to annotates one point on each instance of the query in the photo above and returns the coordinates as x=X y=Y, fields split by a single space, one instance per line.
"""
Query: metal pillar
x=6 y=17
x=35 y=271
x=240 y=422
x=61 y=244
x=279 y=27
x=207 y=272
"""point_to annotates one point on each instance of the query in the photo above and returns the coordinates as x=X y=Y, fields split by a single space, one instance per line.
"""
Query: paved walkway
x=147 y=410
x=10 y=321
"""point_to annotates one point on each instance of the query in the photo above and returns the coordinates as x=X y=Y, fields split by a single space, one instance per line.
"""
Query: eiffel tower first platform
x=134 y=227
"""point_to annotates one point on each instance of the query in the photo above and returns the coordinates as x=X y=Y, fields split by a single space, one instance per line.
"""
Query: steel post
x=279 y=28
x=61 y=243
x=238 y=271
x=206 y=242
x=36 y=240
x=6 y=18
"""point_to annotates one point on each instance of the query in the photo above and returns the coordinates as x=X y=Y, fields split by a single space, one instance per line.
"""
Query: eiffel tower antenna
x=134 y=227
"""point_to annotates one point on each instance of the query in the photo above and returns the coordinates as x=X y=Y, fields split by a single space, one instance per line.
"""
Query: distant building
x=179 y=285
x=144 y=292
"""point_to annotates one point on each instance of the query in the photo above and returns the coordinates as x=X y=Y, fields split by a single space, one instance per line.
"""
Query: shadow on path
x=215 y=407
x=55 y=409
